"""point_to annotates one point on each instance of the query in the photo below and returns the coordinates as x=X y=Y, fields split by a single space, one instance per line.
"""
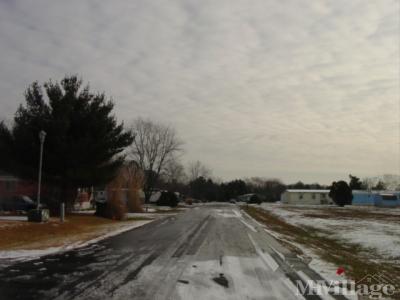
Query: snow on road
x=247 y=277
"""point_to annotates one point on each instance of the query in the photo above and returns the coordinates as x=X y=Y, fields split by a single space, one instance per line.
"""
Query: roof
x=354 y=191
x=307 y=191
x=4 y=176
x=381 y=192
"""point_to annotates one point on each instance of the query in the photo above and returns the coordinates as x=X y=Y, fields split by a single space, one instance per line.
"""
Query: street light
x=42 y=136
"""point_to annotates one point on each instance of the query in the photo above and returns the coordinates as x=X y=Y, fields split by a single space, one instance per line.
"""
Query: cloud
x=297 y=90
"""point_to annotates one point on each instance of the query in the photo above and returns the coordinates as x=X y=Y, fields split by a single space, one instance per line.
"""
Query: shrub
x=116 y=206
x=340 y=193
x=168 y=199
x=134 y=203
x=255 y=199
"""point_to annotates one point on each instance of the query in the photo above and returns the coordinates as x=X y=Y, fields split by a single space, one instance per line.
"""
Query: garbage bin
x=38 y=215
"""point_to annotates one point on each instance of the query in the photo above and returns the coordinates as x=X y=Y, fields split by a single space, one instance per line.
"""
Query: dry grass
x=357 y=261
x=24 y=235
x=347 y=214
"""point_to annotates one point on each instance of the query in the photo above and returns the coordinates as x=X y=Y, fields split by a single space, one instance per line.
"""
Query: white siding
x=306 y=197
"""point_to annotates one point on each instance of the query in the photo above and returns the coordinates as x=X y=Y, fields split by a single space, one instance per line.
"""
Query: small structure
x=84 y=200
x=249 y=198
x=155 y=196
x=158 y=196
x=376 y=198
x=100 y=195
x=306 y=197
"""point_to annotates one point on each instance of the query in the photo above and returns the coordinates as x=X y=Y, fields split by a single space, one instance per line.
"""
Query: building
x=155 y=196
x=306 y=197
x=377 y=198
x=14 y=186
x=101 y=194
x=318 y=197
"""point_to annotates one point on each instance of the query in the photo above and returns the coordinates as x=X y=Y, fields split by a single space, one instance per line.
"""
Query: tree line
x=86 y=146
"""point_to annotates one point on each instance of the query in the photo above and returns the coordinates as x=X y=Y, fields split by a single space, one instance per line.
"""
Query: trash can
x=38 y=215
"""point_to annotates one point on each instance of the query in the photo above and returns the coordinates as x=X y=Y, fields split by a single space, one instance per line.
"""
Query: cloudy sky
x=299 y=90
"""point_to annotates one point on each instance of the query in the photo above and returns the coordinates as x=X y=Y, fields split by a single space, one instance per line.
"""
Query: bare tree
x=388 y=181
x=174 y=171
x=154 y=145
x=197 y=169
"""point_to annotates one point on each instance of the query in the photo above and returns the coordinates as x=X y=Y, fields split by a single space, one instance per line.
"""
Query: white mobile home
x=306 y=197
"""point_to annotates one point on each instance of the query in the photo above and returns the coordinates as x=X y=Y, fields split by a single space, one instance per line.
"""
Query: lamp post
x=42 y=136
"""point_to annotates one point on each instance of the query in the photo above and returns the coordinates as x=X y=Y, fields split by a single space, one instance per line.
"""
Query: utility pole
x=42 y=136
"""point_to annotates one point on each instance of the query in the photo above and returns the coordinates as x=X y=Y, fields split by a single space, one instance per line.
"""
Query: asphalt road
x=208 y=252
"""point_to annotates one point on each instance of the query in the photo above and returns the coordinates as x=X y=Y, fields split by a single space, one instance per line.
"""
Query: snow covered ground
x=13 y=218
x=380 y=234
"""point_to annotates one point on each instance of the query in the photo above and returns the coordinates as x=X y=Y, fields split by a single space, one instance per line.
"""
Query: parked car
x=17 y=203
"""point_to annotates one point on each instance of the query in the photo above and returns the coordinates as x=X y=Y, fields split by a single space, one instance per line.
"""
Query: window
x=389 y=197
x=313 y=196
x=301 y=196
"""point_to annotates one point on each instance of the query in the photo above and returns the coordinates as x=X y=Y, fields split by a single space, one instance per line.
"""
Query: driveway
x=208 y=252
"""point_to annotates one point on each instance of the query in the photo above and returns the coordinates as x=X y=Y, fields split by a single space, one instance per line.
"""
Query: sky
x=292 y=89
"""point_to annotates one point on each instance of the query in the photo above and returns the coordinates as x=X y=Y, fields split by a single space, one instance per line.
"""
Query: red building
x=12 y=186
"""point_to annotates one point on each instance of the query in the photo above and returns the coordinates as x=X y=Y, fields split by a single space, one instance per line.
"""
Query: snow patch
x=379 y=235
x=13 y=218
x=248 y=278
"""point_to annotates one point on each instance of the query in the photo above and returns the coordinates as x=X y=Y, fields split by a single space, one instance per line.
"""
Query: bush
x=340 y=193
x=168 y=199
x=116 y=206
x=133 y=203
x=255 y=200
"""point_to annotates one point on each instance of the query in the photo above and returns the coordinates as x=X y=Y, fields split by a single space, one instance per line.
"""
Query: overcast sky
x=299 y=90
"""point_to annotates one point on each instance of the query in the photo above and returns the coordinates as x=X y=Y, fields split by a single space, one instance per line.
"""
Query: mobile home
x=377 y=198
x=306 y=197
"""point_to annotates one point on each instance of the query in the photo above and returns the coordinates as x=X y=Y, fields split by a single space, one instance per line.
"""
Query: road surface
x=208 y=252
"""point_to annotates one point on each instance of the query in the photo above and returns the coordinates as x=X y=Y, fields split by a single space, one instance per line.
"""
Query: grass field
x=338 y=236
x=16 y=235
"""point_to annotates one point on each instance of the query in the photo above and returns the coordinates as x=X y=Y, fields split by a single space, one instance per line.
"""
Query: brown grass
x=357 y=261
x=344 y=213
x=26 y=235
